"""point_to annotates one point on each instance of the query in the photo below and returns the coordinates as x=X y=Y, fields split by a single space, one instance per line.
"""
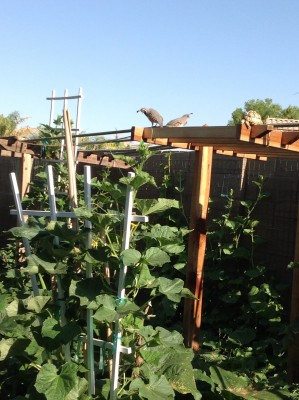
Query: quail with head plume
x=252 y=118
x=179 y=122
x=152 y=115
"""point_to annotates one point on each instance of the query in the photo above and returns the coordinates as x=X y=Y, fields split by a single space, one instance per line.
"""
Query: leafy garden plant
x=42 y=346
x=37 y=330
x=244 y=328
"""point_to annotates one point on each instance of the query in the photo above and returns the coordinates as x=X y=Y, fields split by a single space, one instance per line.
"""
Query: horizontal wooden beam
x=258 y=150
x=103 y=160
x=289 y=138
x=187 y=134
x=257 y=131
x=257 y=140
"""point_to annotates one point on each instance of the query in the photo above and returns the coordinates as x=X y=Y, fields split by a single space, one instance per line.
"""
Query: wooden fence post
x=197 y=243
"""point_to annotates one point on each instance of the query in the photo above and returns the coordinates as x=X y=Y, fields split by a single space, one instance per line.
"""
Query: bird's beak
x=138 y=110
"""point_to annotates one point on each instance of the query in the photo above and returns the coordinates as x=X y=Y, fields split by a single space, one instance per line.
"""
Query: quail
x=252 y=118
x=152 y=115
x=179 y=122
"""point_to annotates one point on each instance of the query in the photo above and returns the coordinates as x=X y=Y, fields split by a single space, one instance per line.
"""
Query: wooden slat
x=182 y=145
x=104 y=160
x=27 y=163
x=6 y=153
x=244 y=155
x=261 y=158
x=225 y=152
x=162 y=142
x=70 y=165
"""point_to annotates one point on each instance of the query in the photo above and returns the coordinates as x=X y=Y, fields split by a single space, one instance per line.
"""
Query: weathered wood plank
x=190 y=133
x=27 y=163
x=289 y=138
x=197 y=244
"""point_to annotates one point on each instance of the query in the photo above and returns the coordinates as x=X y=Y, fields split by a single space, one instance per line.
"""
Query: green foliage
x=266 y=108
x=47 y=133
x=32 y=334
x=241 y=346
x=9 y=123
x=172 y=186
x=60 y=384
x=243 y=335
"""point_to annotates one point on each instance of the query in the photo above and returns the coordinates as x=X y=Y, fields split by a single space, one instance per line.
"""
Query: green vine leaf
x=130 y=257
x=158 y=388
x=36 y=303
x=15 y=327
x=14 y=308
x=53 y=268
x=83 y=213
x=151 y=206
x=188 y=294
x=104 y=220
x=170 y=338
x=164 y=234
x=293 y=265
x=156 y=257
x=5 y=346
x=25 y=231
x=246 y=204
x=10 y=348
x=97 y=256
x=86 y=290
x=239 y=386
x=171 y=288
x=145 y=278
x=138 y=180
x=60 y=383
x=227 y=380
x=51 y=329
x=173 y=248
x=4 y=301
x=105 y=308
x=126 y=307
x=242 y=336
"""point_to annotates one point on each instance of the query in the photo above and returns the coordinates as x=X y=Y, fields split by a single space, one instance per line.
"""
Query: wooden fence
x=277 y=214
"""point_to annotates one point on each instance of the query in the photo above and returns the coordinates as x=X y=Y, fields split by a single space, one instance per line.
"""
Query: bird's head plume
x=143 y=109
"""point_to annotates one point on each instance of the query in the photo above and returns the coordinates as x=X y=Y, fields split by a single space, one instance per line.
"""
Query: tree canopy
x=266 y=108
x=9 y=123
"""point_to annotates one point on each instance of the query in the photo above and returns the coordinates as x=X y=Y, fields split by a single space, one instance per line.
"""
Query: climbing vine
x=238 y=360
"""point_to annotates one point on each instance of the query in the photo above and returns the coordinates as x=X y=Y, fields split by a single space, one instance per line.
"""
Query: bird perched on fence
x=178 y=122
x=152 y=115
x=252 y=118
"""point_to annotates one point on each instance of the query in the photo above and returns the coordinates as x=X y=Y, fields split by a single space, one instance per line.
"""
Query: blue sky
x=207 y=57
